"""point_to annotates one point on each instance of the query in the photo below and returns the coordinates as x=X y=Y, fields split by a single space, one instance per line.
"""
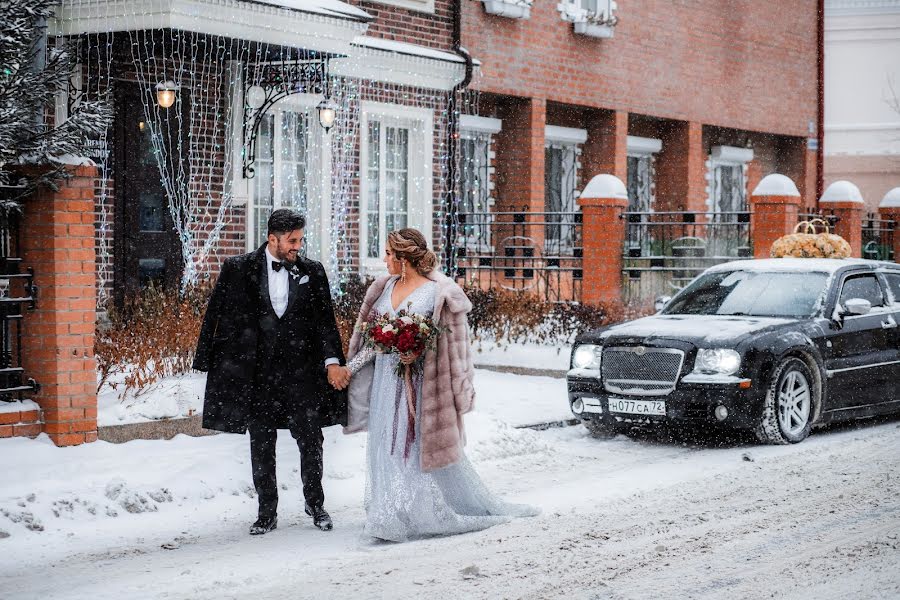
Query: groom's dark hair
x=286 y=220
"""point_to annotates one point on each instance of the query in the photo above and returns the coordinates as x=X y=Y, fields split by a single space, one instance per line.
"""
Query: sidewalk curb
x=555 y=373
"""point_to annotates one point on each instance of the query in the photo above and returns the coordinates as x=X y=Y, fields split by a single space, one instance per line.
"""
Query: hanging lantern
x=256 y=97
x=165 y=93
x=327 y=113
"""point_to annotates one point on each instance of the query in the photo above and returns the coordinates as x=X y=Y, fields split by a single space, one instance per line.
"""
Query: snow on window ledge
x=512 y=9
x=598 y=23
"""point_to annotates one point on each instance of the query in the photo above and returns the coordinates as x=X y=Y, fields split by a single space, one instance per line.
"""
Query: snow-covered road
x=624 y=518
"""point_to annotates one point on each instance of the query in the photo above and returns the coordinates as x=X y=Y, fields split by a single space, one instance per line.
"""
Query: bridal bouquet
x=405 y=334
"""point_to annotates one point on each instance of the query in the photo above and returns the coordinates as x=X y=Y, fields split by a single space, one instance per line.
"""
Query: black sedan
x=773 y=346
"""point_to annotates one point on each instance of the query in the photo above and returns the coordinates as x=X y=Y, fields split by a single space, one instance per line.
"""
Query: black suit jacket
x=256 y=360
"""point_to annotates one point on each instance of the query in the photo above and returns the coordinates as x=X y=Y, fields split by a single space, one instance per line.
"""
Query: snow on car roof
x=795 y=265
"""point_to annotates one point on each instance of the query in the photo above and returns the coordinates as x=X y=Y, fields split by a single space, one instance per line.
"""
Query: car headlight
x=720 y=361
x=586 y=356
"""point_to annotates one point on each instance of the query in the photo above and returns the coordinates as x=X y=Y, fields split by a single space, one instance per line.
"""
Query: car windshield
x=750 y=293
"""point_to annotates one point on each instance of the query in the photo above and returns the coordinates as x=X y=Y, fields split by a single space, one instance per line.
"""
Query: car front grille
x=641 y=371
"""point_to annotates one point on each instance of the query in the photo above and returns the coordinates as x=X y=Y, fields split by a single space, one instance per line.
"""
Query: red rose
x=406 y=342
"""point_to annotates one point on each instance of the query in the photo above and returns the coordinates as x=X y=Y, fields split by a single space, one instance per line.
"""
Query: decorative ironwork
x=277 y=80
x=878 y=238
x=666 y=250
x=509 y=250
x=17 y=289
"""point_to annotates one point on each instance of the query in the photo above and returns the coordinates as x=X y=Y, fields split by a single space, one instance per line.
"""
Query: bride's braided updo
x=410 y=244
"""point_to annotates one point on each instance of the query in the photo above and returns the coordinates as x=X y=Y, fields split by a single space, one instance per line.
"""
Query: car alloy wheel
x=789 y=404
x=794 y=403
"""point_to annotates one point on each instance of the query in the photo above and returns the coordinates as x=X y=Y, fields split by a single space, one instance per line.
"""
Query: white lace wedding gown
x=403 y=502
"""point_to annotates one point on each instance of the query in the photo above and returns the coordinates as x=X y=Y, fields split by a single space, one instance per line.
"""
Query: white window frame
x=567 y=138
x=645 y=148
x=473 y=127
x=725 y=156
x=318 y=213
x=420 y=165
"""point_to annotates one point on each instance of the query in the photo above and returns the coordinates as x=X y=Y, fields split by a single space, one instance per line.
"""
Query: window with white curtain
x=292 y=170
x=397 y=183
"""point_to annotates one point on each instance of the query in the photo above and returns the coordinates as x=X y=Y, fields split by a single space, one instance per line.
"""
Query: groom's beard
x=287 y=255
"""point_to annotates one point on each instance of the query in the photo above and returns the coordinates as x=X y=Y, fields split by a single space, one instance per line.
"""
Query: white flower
x=423 y=328
x=387 y=328
x=406 y=320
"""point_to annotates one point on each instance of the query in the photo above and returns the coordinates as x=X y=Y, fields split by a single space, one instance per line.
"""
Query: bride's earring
x=402 y=271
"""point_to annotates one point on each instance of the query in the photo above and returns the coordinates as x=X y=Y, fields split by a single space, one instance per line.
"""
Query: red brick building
x=690 y=104
x=217 y=123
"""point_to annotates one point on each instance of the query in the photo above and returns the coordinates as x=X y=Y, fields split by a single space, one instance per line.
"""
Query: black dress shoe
x=321 y=518
x=263 y=525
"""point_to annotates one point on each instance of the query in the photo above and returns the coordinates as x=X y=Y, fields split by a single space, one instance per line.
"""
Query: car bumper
x=694 y=401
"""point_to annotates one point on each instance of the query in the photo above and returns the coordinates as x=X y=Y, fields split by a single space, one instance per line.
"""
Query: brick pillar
x=775 y=204
x=602 y=204
x=681 y=169
x=520 y=155
x=606 y=149
x=57 y=239
x=889 y=209
x=843 y=199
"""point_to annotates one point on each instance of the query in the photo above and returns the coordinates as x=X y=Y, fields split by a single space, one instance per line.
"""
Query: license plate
x=637 y=407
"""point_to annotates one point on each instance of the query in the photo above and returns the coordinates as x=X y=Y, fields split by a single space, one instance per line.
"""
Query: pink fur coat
x=447 y=389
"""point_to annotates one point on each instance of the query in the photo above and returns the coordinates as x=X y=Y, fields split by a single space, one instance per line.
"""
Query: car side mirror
x=856 y=306
x=661 y=302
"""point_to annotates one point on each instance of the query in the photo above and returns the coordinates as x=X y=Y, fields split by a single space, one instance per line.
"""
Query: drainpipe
x=820 y=123
x=451 y=219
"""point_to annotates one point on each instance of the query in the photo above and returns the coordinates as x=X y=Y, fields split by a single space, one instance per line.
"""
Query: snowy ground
x=643 y=517
x=517 y=400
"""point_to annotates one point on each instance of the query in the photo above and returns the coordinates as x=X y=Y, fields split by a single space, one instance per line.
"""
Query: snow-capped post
x=843 y=199
x=57 y=240
x=602 y=203
x=775 y=206
x=889 y=209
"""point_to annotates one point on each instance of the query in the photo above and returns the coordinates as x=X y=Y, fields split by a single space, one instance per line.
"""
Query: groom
x=271 y=346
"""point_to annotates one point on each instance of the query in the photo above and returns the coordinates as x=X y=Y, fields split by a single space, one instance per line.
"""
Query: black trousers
x=309 y=438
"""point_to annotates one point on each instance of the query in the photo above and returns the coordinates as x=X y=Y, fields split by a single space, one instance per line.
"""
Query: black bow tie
x=278 y=264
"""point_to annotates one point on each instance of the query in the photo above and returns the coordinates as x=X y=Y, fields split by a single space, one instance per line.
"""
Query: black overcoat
x=254 y=359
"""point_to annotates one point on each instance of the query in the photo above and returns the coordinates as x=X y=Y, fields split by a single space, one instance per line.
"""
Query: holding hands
x=338 y=376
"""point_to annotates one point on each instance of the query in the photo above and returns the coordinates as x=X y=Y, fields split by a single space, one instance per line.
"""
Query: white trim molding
x=321 y=29
x=400 y=63
x=511 y=9
x=731 y=155
x=642 y=146
x=564 y=135
x=426 y=6
x=476 y=124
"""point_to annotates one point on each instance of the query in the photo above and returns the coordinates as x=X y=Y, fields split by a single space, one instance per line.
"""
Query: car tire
x=789 y=405
x=601 y=430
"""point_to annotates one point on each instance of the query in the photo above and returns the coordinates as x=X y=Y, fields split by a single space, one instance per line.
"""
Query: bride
x=431 y=488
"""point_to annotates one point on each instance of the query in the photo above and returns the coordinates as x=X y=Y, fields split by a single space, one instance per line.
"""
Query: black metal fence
x=665 y=250
x=521 y=251
x=17 y=291
x=878 y=238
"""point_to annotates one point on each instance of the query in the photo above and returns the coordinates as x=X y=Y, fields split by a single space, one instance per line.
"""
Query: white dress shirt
x=279 y=290
x=278 y=286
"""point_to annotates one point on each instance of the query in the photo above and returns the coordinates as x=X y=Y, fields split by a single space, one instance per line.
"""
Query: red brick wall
x=434 y=30
x=734 y=63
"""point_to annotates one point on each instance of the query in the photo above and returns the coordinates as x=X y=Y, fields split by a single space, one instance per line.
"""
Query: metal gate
x=17 y=293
